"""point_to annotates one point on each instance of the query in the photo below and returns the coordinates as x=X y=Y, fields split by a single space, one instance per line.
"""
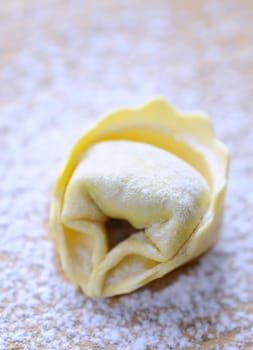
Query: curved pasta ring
x=188 y=136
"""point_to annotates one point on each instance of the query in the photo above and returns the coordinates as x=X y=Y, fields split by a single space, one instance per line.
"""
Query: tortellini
x=141 y=194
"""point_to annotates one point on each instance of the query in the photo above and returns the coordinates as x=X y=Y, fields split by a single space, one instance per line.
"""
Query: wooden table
x=62 y=64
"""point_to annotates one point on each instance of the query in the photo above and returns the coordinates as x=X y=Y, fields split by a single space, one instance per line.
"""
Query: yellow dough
x=158 y=171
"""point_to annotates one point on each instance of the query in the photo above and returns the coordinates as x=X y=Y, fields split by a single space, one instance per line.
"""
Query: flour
x=64 y=68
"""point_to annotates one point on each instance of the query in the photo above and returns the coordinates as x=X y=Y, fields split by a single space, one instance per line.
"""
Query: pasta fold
x=154 y=172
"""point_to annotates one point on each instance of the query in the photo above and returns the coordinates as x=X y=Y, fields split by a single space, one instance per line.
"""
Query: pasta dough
x=159 y=170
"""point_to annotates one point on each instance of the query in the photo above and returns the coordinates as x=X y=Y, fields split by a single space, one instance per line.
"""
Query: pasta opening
x=118 y=230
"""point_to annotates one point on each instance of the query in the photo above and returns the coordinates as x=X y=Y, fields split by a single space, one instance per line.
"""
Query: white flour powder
x=66 y=62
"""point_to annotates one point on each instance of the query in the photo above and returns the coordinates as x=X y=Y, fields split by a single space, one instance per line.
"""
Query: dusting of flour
x=64 y=63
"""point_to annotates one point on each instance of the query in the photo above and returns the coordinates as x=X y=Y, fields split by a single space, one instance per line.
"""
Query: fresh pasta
x=154 y=172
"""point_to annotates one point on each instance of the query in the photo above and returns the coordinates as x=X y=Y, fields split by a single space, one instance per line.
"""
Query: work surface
x=62 y=65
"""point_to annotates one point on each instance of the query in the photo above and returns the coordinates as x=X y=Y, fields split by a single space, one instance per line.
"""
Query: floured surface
x=64 y=63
